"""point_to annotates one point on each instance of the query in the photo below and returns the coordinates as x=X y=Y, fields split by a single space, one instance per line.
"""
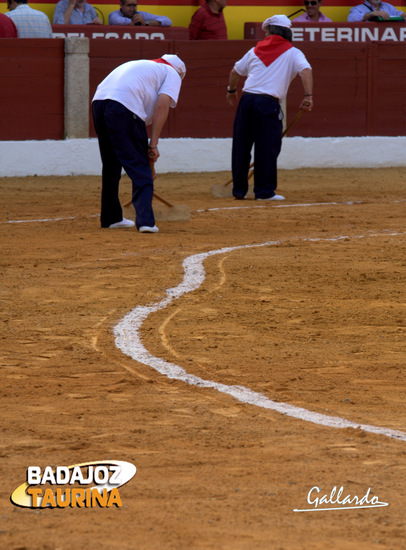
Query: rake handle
x=158 y=197
x=288 y=127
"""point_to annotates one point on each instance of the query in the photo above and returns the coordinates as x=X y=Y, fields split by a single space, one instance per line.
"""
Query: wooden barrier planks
x=32 y=89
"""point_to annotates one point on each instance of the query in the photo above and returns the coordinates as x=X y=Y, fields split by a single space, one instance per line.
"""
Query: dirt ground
x=313 y=319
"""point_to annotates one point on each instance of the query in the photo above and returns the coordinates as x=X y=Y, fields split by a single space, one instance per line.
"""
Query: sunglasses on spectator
x=310 y=3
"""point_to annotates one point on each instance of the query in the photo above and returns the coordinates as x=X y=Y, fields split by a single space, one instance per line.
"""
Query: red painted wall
x=360 y=89
x=32 y=89
x=202 y=110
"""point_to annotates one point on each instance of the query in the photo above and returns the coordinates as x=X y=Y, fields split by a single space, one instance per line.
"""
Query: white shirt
x=272 y=80
x=137 y=84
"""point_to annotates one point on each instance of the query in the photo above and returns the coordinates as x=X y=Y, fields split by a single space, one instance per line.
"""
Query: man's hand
x=137 y=19
x=307 y=103
x=307 y=80
x=97 y=21
x=232 y=99
x=378 y=13
x=233 y=80
x=153 y=155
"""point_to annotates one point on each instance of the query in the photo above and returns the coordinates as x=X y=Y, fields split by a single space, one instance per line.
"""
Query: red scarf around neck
x=271 y=48
x=160 y=60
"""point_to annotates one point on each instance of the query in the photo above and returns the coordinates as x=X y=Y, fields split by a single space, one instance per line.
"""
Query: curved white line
x=128 y=340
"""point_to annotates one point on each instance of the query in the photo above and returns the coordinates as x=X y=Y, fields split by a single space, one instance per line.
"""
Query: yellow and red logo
x=63 y=486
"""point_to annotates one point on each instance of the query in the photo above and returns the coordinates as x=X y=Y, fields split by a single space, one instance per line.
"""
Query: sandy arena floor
x=314 y=319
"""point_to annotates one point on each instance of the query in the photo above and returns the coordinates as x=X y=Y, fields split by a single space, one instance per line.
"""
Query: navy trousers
x=257 y=122
x=123 y=143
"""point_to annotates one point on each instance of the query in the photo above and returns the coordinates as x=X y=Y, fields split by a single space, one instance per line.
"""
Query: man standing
x=373 y=10
x=134 y=95
x=128 y=15
x=269 y=68
x=30 y=23
x=208 y=22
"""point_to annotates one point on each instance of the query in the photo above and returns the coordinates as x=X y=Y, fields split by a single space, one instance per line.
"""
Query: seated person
x=313 y=13
x=128 y=15
x=208 y=22
x=372 y=10
x=75 y=12
x=7 y=27
x=29 y=23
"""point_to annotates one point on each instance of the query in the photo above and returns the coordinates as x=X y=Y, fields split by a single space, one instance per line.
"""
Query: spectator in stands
x=208 y=22
x=373 y=10
x=128 y=15
x=7 y=27
x=313 y=13
x=30 y=23
x=75 y=12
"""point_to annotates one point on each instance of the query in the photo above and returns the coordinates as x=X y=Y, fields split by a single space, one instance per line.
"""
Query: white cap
x=176 y=63
x=280 y=20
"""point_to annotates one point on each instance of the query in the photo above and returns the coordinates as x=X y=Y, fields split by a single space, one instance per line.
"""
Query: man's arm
x=62 y=12
x=159 y=117
x=117 y=18
x=361 y=13
x=94 y=18
x=68 y=11
x=376 y=13
x=357 y=13
x=233 y=81
x=307 y=81
x=195 y=25
x=156 y=20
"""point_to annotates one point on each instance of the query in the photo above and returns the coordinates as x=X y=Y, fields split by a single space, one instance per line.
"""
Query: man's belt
x=263 y=95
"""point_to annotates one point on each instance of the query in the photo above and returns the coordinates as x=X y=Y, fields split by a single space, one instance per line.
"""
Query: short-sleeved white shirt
x=137 y=85
x=272 y=80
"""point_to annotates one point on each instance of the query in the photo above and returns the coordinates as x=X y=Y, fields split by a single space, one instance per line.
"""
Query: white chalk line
x=274 y=205
x=40 y=220
x=128 y=340
x=43 y=220
x=301 y=205
x=200 y=210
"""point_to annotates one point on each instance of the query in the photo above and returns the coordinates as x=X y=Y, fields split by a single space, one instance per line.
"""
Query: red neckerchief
x=271 y=48
x=160 y=60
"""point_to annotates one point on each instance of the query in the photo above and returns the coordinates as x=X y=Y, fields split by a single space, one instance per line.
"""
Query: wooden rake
x=168 y=212
x=157 y=197
x=292 y=122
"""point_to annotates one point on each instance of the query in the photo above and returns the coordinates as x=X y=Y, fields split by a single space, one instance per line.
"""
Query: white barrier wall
x=81 y=156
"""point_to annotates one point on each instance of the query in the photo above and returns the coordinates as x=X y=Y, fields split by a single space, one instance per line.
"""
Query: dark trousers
x=257 y=121
x=123 y=143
